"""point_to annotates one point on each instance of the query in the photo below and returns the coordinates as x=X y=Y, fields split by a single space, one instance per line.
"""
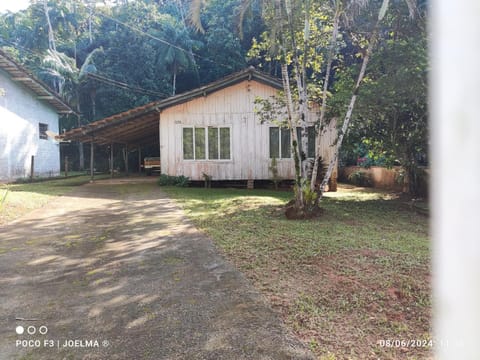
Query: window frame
x=207 y=149
x=280 y=157
x=298 y=130
x=42 y=133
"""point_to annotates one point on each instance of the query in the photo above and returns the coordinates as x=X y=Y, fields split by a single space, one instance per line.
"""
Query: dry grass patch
x=18 y=199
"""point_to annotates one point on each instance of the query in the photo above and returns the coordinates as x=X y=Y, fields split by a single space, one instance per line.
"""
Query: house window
x=188 y=153
x=42 y=130
x=280 y=144
x=199 y=143
x=212 y=143
x=310 y=141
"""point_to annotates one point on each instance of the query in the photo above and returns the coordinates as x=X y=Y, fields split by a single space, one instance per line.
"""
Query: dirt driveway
x=114 y=271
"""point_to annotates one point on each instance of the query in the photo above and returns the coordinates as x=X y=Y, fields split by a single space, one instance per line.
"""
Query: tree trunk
x=51 y=37
x=181 y=10
x=300 y=77
x=174 y=82
x=344 y=129
x=90 y=15
x=303 y=116
x=326 y=81
x=348 y=115
x=94 y=105
x=293 y=132
x=303 y=91
x=81 y=157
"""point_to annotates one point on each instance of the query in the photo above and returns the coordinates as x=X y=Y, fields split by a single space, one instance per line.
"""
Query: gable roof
x=135 y=126
x=248 y=74
x=22 y=76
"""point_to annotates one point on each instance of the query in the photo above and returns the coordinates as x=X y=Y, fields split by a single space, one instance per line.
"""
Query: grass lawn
x=19 y=199
x=345 y=282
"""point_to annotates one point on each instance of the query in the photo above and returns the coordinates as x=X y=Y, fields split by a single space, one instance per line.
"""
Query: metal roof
x=139 y=126
x=24 y=77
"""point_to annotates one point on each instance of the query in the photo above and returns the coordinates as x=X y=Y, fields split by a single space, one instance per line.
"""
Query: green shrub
x=310 y=197
x=167 y=180
x=360 y=178
x=182 y=181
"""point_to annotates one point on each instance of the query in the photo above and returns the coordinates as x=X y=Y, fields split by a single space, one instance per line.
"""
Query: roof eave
x=22 y=76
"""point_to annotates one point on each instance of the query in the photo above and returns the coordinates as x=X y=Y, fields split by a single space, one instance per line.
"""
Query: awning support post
x=139 y=160
x=111 y=160
x=91 y=161
x=126 y=159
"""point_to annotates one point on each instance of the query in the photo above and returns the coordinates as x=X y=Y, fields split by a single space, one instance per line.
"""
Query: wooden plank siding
x=233 y=107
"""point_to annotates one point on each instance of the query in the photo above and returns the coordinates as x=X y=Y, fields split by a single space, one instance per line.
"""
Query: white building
x=28 y=108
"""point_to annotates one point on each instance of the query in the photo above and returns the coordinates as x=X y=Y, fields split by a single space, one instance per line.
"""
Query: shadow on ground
x=118 y=264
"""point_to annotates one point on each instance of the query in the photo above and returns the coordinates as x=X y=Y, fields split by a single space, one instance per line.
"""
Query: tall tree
x=371 y=40
x=294 y=38
x=391 y=114
x=51 y=36
x=175 y=55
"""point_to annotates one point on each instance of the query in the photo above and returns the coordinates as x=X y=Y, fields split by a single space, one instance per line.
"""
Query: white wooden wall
x=230 y=107
x=20 y=113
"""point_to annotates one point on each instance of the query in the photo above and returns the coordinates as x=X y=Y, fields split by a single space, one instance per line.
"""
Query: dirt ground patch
x=324 y=298
x=114 y=271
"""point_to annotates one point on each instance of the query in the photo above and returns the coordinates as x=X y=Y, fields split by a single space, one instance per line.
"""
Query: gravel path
x=115 y=271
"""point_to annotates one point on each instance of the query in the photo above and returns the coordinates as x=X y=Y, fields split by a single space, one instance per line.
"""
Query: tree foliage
x=390 y=123
x=149 y=49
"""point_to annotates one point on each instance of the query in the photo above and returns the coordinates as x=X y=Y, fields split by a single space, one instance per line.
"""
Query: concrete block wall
x=20 y=115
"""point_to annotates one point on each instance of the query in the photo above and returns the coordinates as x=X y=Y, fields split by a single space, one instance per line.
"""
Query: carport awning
x=136 y=127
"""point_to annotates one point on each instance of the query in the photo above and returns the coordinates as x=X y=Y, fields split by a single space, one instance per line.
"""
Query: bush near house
x=360 y=178
x=167 y=180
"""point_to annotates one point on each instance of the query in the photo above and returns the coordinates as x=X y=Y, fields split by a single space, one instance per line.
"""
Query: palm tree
x=174 y=56
x=68 y=81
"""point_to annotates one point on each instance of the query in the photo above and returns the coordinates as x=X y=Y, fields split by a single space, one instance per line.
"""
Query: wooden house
x=214 y=130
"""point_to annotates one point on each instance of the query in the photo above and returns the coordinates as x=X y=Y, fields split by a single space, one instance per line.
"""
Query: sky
x=16 y=5
x=13 y=5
